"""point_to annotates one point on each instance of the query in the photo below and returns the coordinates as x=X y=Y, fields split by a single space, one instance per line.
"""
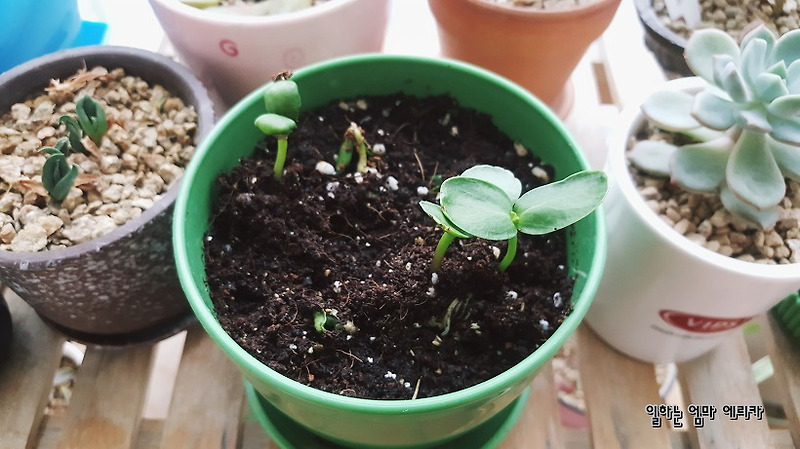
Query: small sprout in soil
x=353 y=141
x=324 y=321
x=92 y=118
x=58 y=175
x=282 y=102
x=485 y=202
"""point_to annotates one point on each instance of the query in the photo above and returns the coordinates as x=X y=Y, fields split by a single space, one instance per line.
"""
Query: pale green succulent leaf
x=764 y=219
x=714 y=111
x=478 y=207
x=701 y=48
x=502 y=178
x=700 y=167
x=755 y=120
x=435 y=211
x=752 y=173
x=731 y=81
x=559 y=204
x=785 y=129
x=793 y=77
x=652 y=156
x=787 y=157
x=670 y=110
x=787 y=48
x=762 y=33
x=275 y=124
x=721 y=63
x=785 y=106
x=779 y=68
x=769 y=86
x=754 y=60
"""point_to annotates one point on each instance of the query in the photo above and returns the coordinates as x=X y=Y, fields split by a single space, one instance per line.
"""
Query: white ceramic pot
x=234 y=54
x=663 y=298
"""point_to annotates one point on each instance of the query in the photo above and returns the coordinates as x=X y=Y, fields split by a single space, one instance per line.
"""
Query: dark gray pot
x=121 y=288
x=666 y=45
x=6 y=330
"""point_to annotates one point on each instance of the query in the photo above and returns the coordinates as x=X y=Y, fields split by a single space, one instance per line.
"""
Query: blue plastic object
x=32 y=28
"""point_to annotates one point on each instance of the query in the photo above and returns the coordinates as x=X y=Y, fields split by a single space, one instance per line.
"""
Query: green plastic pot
x=358 y=422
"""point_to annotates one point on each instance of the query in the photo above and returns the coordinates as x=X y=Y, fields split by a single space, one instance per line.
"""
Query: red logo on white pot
x=699 y=323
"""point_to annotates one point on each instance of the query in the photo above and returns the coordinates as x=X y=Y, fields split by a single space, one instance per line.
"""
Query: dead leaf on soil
x=77 y=81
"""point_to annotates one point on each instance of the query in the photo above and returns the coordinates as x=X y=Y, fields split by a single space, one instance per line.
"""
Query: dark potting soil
x=360 y=248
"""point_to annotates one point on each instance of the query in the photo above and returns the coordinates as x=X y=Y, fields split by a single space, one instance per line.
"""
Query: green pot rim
x=493 y=387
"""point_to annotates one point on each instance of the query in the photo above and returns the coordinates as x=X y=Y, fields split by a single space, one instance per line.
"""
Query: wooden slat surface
x=724 y=378
x=785 y=355
x=207 y=403
x=25 y=378
x=543 y=426
x=618 y=390
x=106 y=407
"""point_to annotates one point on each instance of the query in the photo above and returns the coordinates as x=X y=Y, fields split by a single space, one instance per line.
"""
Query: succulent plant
x=58 y=175
x=745 y=122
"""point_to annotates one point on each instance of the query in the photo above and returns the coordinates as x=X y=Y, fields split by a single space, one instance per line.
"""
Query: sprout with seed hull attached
x=746 y=122
x=282 y=104
x=485 y=202
x=354 y=140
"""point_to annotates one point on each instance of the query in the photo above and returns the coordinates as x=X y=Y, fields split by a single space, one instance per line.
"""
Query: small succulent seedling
x=74 y=133
x=282 y=102
x=353 y=140
x=92 y=118
x=745 y=122
x=485 y=202
x=91 y=122
x=58 y=175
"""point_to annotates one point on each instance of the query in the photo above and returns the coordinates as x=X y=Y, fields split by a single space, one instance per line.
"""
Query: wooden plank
x=253 y=435
x=27 y=375
x=786 y=363
x=207 y=402
x=723 y=378
x=149 y=436
x=106 y=406
x=618 y=390
x=539 y=426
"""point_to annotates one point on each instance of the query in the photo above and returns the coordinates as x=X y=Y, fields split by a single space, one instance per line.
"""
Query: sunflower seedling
x=485 y=202
x=325 y=321
x=282 y=102
x=353 y=140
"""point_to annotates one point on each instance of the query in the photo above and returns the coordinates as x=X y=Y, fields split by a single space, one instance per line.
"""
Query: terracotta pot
x=535 y=48
x=120 y=288
x=234 y=54
x=667 y=46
